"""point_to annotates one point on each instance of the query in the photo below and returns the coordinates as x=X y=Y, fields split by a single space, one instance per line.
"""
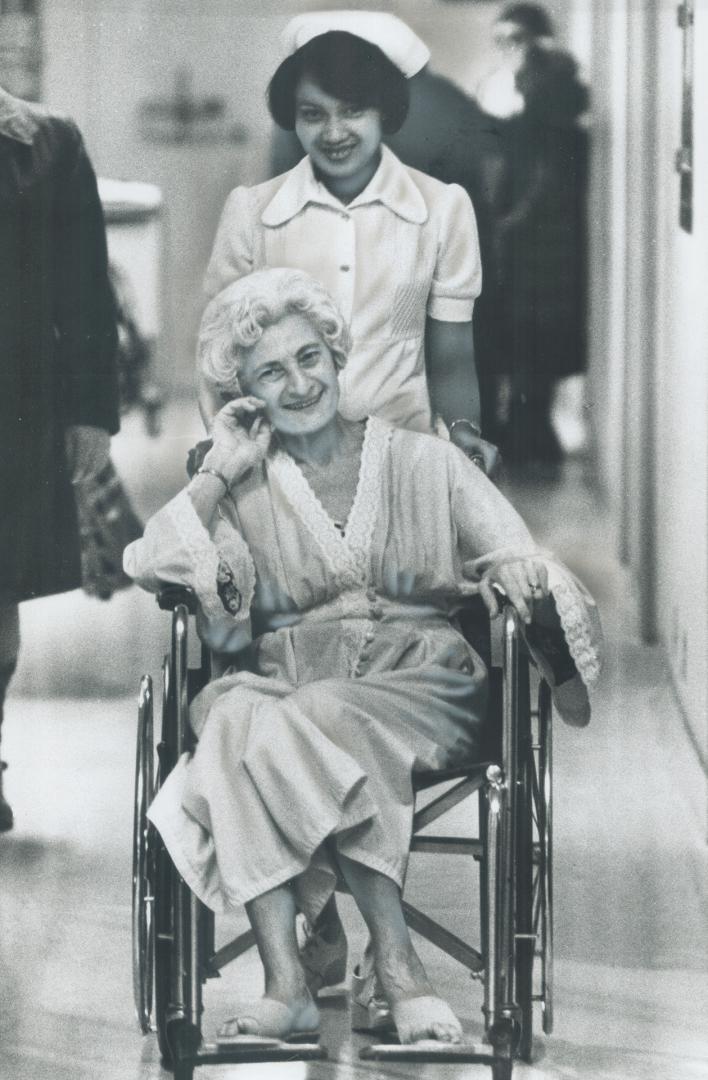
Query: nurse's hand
x=241 y=436
x=482 y=453
x=522 y=580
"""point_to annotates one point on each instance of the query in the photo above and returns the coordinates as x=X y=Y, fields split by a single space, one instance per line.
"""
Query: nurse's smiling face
x=292 y=370
x=342 y=140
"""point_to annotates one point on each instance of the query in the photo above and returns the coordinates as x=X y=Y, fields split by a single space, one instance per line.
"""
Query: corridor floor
x=631 y=861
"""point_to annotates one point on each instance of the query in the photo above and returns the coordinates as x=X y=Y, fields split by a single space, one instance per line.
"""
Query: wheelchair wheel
x=163 y=881
x=533 y=922
x=163 y=948
x=524 y=867
x=543 y=887
x=144 y=862
x=177 y=962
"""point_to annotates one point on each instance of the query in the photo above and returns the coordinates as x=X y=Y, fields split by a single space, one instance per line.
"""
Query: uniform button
x=368 y=638
x=345 y=268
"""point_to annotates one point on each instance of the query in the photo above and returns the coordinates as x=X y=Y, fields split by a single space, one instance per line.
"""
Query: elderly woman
x=334 y=551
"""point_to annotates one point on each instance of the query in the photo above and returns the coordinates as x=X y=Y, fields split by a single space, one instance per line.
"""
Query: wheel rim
x=543 y=885
x=525 y=867
x=143 y=862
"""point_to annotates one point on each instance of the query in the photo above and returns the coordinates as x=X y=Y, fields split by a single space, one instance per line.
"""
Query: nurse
x=396 y=248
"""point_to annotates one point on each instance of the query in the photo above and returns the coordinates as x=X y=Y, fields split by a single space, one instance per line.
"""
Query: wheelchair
x=174 y=934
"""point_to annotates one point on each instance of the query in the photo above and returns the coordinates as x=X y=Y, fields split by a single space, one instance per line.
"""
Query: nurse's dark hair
x=348 y=68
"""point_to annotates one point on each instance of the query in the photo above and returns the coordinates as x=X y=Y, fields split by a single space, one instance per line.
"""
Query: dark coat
x=57 y=342
x=531 y=317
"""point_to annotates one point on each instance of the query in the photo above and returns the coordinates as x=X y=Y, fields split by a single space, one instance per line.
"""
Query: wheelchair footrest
x=212 y=1054
x=432 y=1052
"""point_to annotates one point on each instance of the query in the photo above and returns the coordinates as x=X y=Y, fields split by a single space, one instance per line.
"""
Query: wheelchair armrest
x=170 y=596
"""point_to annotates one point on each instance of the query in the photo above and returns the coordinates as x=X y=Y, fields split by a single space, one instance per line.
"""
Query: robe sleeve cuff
x=577 y=611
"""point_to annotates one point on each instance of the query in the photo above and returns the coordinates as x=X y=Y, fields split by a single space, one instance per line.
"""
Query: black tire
x=143 y=883
x=524 y=878
x=534 y=915
x=177 y=1039
x=543 y=896
x=163 y=880
x=163 y=950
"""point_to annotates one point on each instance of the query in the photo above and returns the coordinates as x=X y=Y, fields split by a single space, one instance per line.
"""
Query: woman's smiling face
x=343 y=141
x=292 y=370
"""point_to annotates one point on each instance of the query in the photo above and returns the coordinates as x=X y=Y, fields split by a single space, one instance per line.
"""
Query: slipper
x=277 y=1022
x=415 y=1017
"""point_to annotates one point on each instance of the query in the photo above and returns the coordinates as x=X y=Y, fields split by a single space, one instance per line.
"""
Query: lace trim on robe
x=362 y=517
x=348 y=555
x=576 y=609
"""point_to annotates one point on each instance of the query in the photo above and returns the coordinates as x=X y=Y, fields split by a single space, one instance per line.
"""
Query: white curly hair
x=237 y=316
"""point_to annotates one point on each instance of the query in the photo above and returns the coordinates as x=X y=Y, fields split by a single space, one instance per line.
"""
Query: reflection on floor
x=631 y=866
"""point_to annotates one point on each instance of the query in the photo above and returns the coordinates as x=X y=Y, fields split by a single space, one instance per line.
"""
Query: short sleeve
x=232 y=253
x=177 y=549
x=457 y=280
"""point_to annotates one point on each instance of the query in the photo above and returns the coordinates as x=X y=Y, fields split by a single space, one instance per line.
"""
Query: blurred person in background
x=530 y=321
x=58 y=384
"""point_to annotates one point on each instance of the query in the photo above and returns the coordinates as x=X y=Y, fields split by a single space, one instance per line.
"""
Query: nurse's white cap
x=396 y=40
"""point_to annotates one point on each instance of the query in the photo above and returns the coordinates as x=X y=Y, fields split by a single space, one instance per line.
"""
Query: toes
x=445 y=1033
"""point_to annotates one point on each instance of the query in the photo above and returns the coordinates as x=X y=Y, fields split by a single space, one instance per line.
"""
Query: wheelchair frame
x=173 y=933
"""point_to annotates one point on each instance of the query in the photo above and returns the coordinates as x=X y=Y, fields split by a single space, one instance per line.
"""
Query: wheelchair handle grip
x=170 y=596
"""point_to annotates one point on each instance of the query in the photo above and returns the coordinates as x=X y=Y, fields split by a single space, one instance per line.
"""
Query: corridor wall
x=648 y=382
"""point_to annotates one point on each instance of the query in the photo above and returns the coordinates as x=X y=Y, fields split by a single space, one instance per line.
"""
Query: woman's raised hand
x=241 y=436
x=523 y=581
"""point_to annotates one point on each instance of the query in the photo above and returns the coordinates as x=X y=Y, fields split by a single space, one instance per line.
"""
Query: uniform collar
x=16 y=119
x=391 y=185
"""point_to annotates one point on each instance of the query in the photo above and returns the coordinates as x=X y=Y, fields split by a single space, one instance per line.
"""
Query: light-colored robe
x=358 y=677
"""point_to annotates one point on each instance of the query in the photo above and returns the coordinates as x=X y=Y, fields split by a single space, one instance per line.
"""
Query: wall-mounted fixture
x=684 y=155
x=186 y=116
x=21 y=48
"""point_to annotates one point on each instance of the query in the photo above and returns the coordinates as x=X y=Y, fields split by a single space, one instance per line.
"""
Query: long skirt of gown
x=292 y=767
